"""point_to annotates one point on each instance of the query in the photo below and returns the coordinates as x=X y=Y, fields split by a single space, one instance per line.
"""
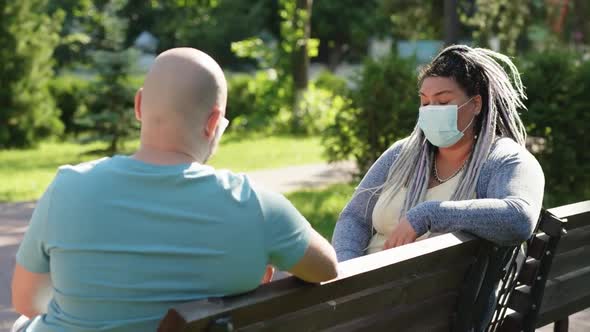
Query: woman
x=464 y=167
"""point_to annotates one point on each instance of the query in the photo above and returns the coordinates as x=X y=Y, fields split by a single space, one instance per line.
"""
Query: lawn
x=26 y=173
x=322 y=206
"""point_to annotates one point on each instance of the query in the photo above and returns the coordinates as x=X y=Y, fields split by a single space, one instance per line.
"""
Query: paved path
x=14 y=219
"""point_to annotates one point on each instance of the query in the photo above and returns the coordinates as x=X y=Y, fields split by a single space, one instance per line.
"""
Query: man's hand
x=268 y=274
x=402 y=234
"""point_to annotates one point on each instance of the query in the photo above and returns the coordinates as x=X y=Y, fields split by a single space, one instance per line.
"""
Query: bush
x=558 y=106
x=319 y=108
x=70 y=93
x=328 y=81
x=384 y=110
x=28 y=37
x=255 y=100
x=110 y=115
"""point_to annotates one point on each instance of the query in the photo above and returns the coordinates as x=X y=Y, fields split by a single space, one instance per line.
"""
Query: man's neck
x=164 y=156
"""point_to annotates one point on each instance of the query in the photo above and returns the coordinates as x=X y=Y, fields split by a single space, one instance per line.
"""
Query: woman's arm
x=354 y=227
x=507 y=215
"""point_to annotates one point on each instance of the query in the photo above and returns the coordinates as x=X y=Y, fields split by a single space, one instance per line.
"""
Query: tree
x=345 y=27
x=289 y=58
x=28 y=37
x=209 y=25
x=414 y=19
x=111 y=117
x=451 y=22
x=296 y=31
x=505 y=19
x=110 y=107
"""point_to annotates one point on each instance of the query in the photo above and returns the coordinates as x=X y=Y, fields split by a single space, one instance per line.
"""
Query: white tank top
x=386 y=213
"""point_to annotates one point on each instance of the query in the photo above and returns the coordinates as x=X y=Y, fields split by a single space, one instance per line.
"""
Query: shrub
x=28 y=37
x=319 y=108
x=110 y=115
x=70 y=93
x=557 y=85
x=328 y=81
x=255 y=100
x=384 y=110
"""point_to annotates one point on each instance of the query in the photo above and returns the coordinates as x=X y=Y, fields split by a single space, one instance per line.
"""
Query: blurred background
x=309 y=81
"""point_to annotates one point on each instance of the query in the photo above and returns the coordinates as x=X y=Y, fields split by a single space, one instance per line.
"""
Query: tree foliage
x=28 y=37
x=505 y=19
x=379 y=115
x=110 y=115
x=558 y=113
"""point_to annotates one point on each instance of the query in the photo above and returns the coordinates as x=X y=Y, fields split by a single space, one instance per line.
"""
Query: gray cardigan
x=509 y=196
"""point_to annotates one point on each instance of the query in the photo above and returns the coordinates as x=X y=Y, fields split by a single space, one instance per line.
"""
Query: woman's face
x=445 y=91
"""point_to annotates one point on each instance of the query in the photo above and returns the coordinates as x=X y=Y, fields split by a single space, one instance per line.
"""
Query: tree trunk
x=300 y=56
x=451 y=22
x=301 y=60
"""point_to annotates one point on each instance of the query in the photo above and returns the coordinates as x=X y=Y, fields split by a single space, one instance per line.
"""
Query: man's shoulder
x=68 y=173
x=238 y=185
x=83 y=167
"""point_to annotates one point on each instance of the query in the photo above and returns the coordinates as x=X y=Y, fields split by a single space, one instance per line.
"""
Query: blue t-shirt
x=124 y=241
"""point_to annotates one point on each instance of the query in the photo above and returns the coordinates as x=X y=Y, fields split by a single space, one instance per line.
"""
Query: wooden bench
x=424 y=286
x=555 y=279
x=568 y=285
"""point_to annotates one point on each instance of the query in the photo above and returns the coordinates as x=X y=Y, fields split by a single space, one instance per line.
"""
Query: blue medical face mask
x=439 y=124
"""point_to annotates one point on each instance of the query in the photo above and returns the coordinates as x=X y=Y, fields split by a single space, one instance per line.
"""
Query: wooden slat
x=570 y=261
x=565 y=295
x=529 y=272
x=553 y=226
x=512 y=323
x=521 y=300
x=574 y=239
x=577 y=215
x=287 y=295
x=430 y=315
x=404 y=292
x=538 y=246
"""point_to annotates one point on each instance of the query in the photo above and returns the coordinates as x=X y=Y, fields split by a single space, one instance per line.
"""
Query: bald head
x=182 y=88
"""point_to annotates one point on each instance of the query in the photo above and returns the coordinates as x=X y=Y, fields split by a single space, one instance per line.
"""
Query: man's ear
x=138 y=104
x=212 y=122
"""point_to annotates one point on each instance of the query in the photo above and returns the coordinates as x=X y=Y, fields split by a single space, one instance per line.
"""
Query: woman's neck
x=457 y=153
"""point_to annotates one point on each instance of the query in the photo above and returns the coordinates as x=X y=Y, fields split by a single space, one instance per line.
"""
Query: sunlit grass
x=25 y=174
x=322 y=206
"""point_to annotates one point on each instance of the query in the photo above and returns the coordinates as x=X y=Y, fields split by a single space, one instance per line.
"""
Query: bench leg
x=561 y=325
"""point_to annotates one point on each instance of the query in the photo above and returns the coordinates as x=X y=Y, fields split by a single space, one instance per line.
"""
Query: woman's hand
x=402 y=234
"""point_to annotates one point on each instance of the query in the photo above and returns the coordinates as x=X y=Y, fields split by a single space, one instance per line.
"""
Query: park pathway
x=15 y=216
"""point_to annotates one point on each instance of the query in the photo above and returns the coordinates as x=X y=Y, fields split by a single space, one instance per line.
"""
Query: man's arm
x=319 y=261
x=31 y=282
x=30 y=291
x=292 y=244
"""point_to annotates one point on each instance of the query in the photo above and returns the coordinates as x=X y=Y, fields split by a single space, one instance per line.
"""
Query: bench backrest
x=413 y=287
x=554 y=281
x=568 y=285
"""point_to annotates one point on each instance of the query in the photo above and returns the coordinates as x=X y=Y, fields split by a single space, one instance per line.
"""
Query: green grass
x=26 y=173
x=322 y=206
x=265 y=153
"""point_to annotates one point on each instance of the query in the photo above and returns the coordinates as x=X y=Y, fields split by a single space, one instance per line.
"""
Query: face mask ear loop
x=465 y=103
x=472 y=119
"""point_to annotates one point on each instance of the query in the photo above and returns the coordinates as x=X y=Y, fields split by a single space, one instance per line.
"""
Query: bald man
x=123 y=239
